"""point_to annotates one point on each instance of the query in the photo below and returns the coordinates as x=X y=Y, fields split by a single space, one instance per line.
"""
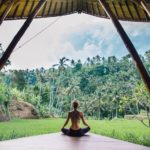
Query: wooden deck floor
x=57 y=141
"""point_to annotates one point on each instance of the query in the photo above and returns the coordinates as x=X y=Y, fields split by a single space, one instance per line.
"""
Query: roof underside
x=123 y=9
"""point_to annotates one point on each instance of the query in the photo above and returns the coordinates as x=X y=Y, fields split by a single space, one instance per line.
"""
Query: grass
x=128 y=130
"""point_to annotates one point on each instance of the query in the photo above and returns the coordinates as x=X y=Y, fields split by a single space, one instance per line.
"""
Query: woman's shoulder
x=81 y=113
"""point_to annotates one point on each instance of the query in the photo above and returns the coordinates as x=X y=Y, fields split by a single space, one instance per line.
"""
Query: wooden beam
x=72 y=8
x=15 y=11
x=24 y=8
x=115 y=9
x=54 y=11
x=7 y=10
x=87 y=7
x=79 y=6
x=44 y=9
x=127 y=5
x=61 y=6
x=66 y=10
x=137 y=12
x=123 y=13
x=31 y=8
x=144 y=74
x=20 y=33
x=93 y=10
x=145 y=6
x=49 y=10
x=99 y=12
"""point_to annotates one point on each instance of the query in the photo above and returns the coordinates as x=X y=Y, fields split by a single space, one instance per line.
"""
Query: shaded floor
x=57 y=141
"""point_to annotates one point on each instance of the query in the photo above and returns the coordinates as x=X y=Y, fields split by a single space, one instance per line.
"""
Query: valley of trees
x=107 y=88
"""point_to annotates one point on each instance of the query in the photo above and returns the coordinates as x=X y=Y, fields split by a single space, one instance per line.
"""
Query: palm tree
x=72 y=62
x=62 y=64
x=73 y=90
x=98 y=59
x=88 y=61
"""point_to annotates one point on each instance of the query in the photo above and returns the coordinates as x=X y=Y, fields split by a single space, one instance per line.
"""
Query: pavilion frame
x=146 y=8
x=20 y=33
x=144 y=5
x=11 y=3
x=144 y=74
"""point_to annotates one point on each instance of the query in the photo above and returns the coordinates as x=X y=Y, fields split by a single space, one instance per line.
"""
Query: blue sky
x=75 y=36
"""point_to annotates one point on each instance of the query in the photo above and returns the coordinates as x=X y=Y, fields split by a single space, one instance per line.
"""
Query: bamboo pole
x=128 y=44
x=145 y=6
x=7 y=10
x=20 y=33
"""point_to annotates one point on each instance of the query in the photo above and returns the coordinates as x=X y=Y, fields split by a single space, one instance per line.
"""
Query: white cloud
x=54 y=43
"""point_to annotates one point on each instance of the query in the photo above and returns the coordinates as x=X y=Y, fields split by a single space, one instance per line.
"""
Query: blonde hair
x=75 y=104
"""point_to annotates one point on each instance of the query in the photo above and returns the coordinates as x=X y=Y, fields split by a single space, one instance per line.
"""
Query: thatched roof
x=129 y=10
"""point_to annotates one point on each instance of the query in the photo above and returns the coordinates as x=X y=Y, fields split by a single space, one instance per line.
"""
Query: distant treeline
x=106 y=87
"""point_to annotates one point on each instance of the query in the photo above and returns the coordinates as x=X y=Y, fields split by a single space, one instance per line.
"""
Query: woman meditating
x=75 y=129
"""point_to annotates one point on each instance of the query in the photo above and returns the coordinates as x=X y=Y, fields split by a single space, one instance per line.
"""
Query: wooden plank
x=79 y=6
x=54 y=11
x=87 y=7
x=146 y=15
x=60 y=11
x=126 y=2
x=120 y=4
x=44 y=9
x=72 y=6
x=1 y=4
x=6 y=11
x=50 y=5
x=115 y=9
x=145 y=6
x=1 y=1
x=99 y=12
x=31 y=8
x=24 y=8
x=66 y=7
x=128 y=11
x=93 y=10
x=90 y=9
x=69 y=7
x=15 y=11
x=137 y=12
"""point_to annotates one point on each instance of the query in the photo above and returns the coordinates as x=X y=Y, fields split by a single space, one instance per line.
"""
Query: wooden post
x=128 y=44
x=145 y=6
x=20 y=33
x=8 y=8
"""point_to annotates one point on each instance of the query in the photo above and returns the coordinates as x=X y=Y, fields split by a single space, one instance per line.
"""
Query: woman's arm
x=67 y=120
x=83 y=120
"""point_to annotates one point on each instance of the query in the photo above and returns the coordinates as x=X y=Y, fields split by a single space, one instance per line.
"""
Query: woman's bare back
x=75 y=119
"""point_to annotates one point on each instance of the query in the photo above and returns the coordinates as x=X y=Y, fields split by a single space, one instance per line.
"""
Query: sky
x=75 y=36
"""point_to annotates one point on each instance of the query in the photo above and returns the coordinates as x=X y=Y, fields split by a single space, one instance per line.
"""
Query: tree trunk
x=99 y=110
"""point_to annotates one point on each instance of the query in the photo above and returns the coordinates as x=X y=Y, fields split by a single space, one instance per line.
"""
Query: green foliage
x=77 y=67
x=106 y=87
x=99 y=70
x=19 y=78
x=2 y=93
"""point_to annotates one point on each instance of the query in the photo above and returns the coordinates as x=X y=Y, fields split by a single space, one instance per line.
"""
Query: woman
x=75 y=129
